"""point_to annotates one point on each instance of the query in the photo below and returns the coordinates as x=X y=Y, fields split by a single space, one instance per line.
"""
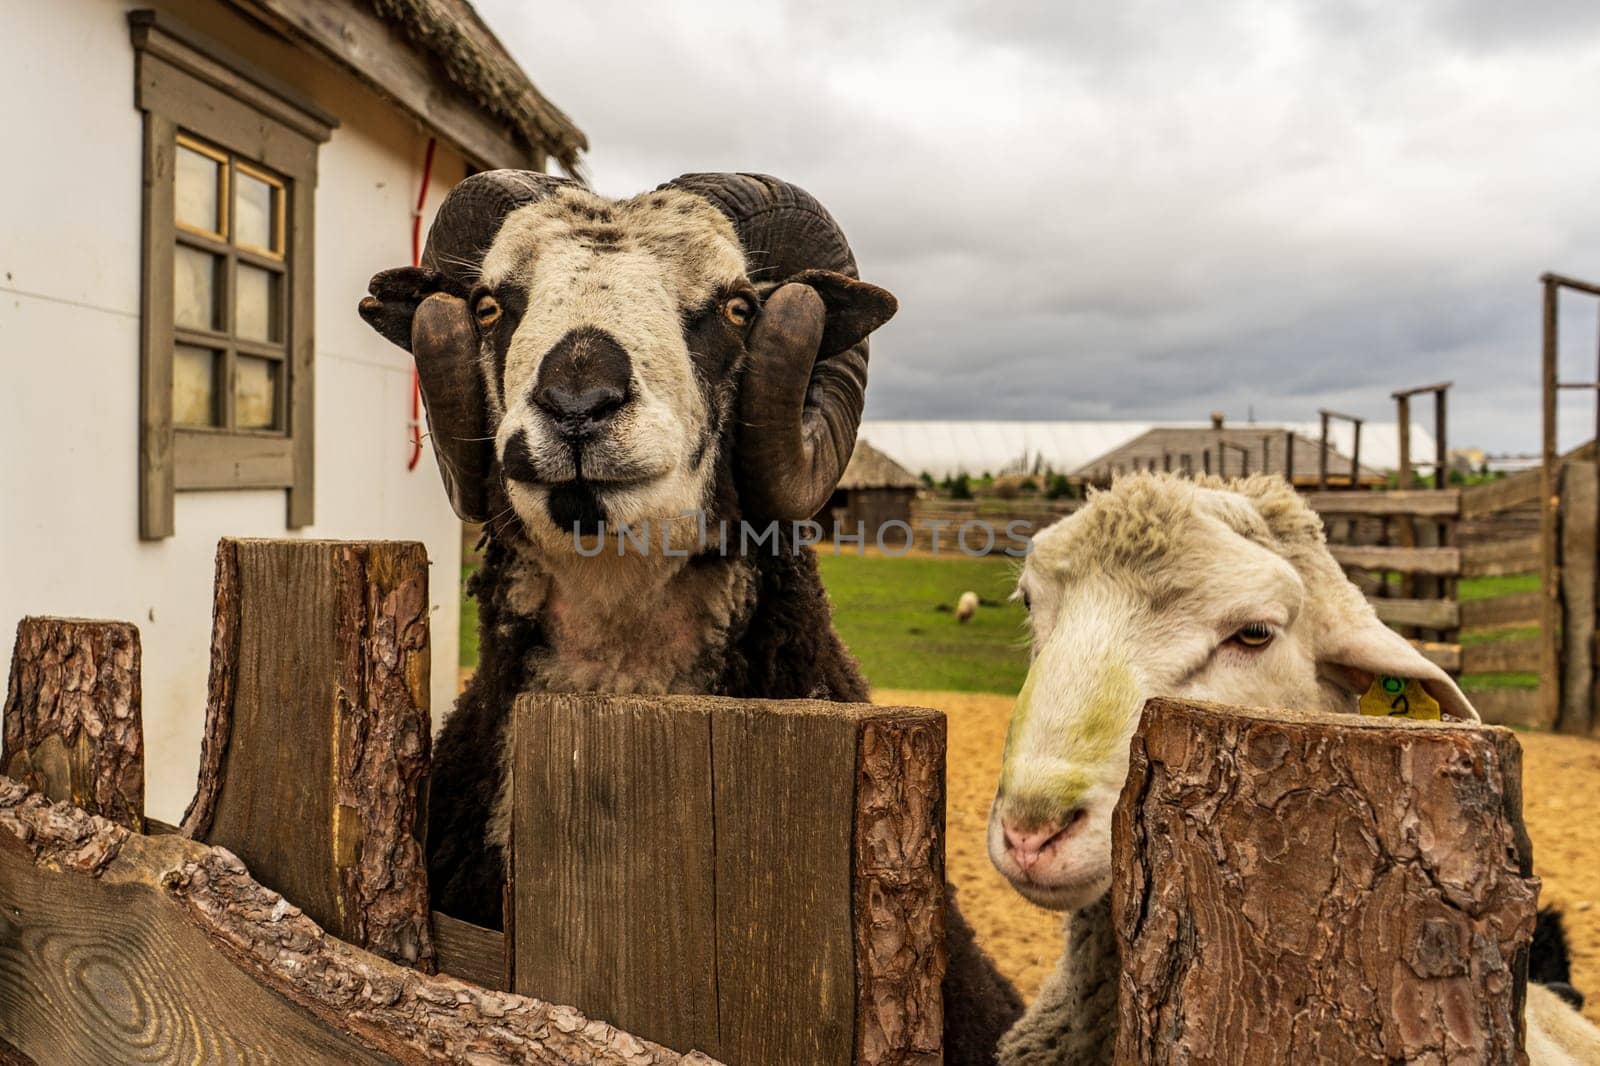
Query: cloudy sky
x=1141 y=209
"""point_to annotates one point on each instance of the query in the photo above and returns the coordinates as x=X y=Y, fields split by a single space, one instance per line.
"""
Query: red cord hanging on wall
x=416 y=260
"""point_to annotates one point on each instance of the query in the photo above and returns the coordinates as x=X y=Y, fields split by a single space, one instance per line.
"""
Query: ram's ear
x=854 y=308
x=395 y=296
x=1357 y=654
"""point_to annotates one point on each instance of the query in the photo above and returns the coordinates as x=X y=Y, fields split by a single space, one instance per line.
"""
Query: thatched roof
x=473 y=59
x=1246 y=449
x=871 y=469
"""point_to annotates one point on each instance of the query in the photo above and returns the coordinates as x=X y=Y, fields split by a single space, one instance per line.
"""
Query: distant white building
x=944 y=448
x=196 y=198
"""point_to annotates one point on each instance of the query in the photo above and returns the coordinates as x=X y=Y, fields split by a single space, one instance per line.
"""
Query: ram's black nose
x=584 y=381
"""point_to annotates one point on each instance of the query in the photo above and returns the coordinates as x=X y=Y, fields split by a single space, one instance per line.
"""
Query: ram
x=611 y=385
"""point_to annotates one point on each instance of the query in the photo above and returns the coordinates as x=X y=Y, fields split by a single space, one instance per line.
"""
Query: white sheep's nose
x=1027 y=846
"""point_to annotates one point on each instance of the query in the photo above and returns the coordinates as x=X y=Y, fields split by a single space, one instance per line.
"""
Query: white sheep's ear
x=1361 y=651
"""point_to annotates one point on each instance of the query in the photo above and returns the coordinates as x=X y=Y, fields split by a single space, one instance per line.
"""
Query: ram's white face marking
x=1147 y=592
x=633 y=269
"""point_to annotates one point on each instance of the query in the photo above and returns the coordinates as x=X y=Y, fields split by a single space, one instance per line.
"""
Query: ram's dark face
x=612 y=334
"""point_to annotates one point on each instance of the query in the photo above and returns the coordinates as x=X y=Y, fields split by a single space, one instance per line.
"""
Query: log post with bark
x=760 y=879
x=317 y=732
x=72 y=715
x=117 y=947
x=1303 y=887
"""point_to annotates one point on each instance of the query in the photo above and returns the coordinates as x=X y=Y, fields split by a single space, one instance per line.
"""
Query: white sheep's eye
x=1254 y=635
x=486 y=311
x=739 y=311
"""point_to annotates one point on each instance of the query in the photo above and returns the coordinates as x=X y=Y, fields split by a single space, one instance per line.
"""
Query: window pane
x=195 y=373
x=194 y=288
x=255 y=401
x=255 y=217
x=196 y=200
x=256 y=308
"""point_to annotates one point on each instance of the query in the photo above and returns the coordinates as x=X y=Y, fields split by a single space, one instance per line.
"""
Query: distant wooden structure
x=1569 y=499
x=873 y=491
x=1232 y=451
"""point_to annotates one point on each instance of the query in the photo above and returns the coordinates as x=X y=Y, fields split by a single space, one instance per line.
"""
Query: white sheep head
x=1163 y=586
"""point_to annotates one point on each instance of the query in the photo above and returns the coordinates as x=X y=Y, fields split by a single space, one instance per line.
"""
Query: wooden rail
x=1443 y=562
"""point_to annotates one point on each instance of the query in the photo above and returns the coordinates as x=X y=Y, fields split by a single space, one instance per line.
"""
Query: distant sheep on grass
x=966 y=607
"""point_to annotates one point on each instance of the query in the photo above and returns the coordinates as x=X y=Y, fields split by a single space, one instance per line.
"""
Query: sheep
x=1163 y=586
x=679 y=362
x=966 y=607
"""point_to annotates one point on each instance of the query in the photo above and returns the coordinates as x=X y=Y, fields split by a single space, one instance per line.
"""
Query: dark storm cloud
x=1140 y=209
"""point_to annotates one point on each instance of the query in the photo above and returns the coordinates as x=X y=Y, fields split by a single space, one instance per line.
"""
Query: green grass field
x=897 y=616
x=888 y=610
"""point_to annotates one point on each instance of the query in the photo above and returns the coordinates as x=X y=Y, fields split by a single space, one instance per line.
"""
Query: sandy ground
x=1561 y=804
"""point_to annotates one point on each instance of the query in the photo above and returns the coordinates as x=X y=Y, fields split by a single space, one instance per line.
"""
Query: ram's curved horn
x=444 y=341
x=800 y=402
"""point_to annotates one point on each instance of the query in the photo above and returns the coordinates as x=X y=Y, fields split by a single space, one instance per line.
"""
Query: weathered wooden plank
x=1498 y=656
x=785 y=951
x=1580 y=507
x=614 y=862
x=156 y=301
x=760 y=879
x=73 y=728
x=326 y=642
x=1218 y=909
x=1516 y=608
x=1507 y=706
x=470 y=952
x=228 y=461
x=1445 y=656
x=1443 y=561
x=1506 y=494
x=1434 y=614
x=1516 y=555
x=1422 y=503
x=116 y=947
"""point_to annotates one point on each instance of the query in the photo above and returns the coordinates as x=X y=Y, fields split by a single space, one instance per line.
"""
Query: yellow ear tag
x=1399 y=697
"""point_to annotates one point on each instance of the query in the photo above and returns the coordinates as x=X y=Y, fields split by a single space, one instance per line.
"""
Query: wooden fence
x=1409 y=549
x=1009 y=521
x=761 y=881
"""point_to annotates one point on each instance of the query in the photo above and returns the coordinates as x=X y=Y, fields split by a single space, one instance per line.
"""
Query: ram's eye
x=486 y=311
x=738 y=310
x=1027 y=600
x=1254 y=635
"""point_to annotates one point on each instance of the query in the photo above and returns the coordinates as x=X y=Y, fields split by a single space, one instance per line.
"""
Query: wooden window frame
x=189 y=87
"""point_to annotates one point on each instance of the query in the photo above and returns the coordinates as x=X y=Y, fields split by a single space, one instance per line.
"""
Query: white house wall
x=69 y=362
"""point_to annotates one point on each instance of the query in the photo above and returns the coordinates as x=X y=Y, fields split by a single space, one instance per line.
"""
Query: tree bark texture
x=72 y=716
x=317 y=732
x=1299 y=887
x=117 y=947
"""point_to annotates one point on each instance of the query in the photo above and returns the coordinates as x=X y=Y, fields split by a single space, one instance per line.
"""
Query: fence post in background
x=1322 y=455
x=73 y=727
x=1549 y=553
x=762 y=880
x=1222 y=914
x=1402 y=404
x=1580 y=501
x=317 y=732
